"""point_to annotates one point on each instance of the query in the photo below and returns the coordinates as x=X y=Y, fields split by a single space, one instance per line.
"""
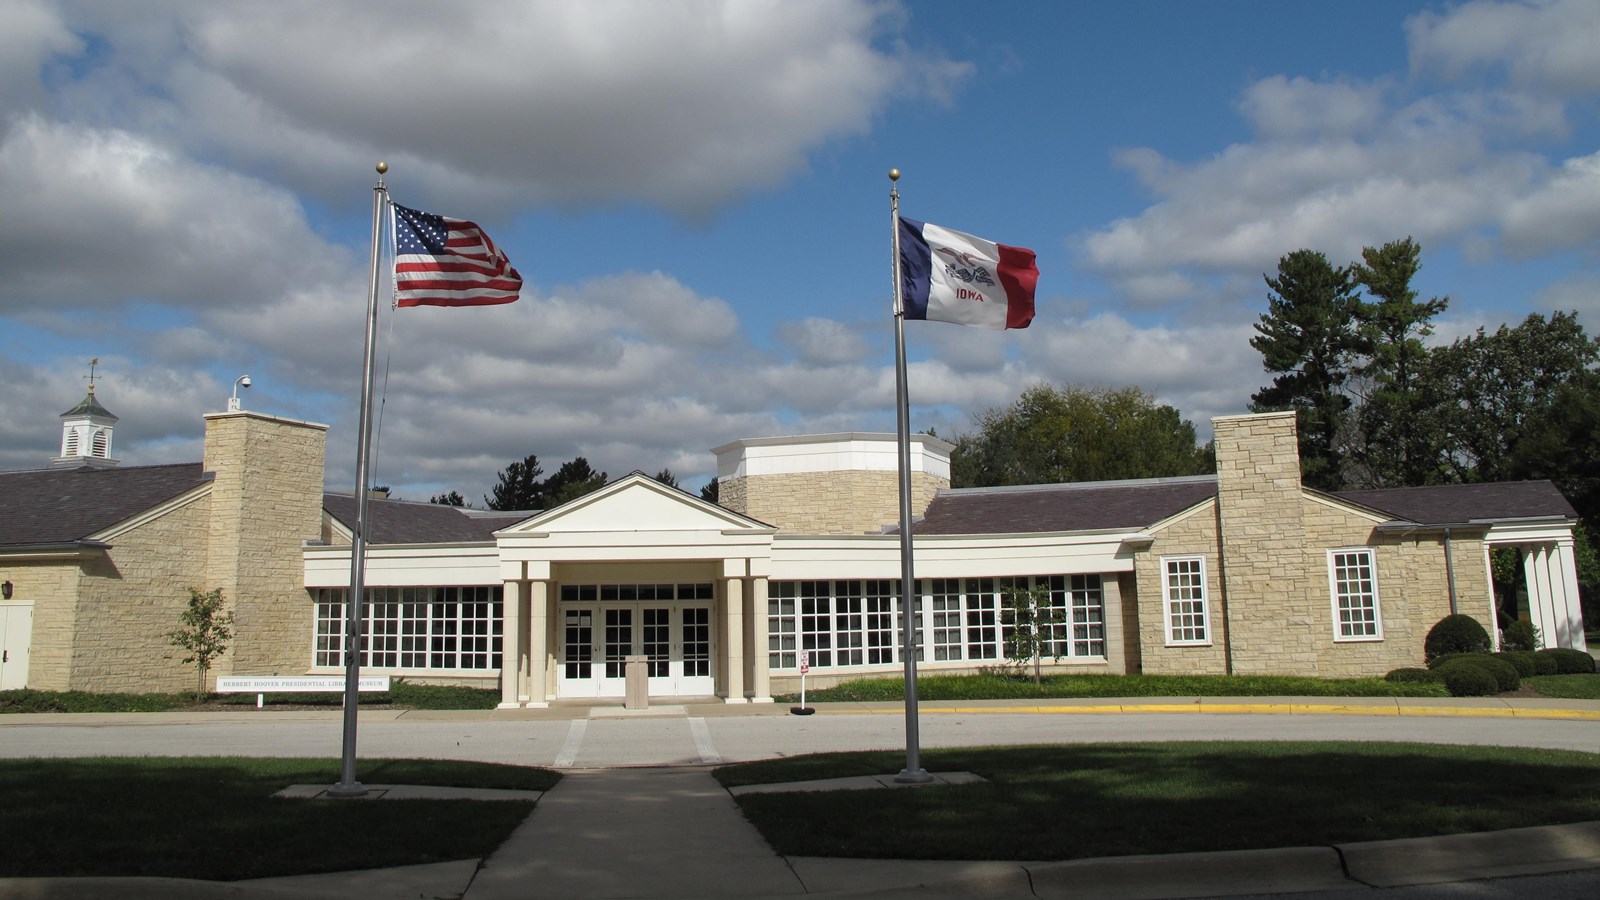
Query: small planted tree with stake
x=1033 y=622
x=205 y=633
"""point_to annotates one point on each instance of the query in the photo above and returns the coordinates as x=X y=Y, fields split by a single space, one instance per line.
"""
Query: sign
x=805 y=663
x=296 y=684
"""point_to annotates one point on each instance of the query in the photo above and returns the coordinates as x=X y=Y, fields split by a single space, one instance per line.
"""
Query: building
x=1243 y=572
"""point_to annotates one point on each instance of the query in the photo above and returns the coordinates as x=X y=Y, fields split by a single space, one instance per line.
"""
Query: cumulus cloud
x=683 y=105
x=1545 y=45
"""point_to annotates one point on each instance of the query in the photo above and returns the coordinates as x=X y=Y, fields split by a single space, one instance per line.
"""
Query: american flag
x=440 y=261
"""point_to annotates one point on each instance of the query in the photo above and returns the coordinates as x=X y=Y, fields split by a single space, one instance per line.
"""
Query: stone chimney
x=1261 y=521
x=829 y=483
x=266 y=498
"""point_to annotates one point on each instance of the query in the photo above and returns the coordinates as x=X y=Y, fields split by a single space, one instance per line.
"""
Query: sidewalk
x=675 y=832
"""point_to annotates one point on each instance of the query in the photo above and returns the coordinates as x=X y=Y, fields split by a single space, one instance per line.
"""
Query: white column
x=1569 y=605
x=733 y=637
x=538 y=659
x=1541 y=607
x=760 y=676
x=511 y=644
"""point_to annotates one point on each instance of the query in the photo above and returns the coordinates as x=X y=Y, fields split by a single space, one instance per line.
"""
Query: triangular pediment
x=636 y=503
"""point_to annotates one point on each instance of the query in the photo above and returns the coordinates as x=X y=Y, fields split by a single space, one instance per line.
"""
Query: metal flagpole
x=910 y=605
x=348 y=786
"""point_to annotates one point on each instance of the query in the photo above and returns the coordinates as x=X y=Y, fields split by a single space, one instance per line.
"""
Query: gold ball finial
x=382 y=167
x=894 y=174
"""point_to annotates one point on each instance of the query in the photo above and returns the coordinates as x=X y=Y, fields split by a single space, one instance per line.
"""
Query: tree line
x=519 y=486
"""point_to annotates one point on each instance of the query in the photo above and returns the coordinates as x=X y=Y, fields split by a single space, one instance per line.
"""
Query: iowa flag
x=948 y=276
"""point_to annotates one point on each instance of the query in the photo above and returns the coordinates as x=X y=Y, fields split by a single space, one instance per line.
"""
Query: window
x=1187 y=616
x=1353 y=583
x=858 y=623
x=452 y=628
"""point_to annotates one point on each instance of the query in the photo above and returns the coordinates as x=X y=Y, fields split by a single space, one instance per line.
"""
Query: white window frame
x=1339 y=620
x=1168 y=601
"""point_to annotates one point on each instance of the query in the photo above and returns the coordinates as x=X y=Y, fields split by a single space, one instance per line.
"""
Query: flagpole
x=348 y=786
x=910 y=604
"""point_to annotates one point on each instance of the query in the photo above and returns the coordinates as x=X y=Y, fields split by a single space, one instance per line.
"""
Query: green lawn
x=1082 y=801
x=215 y=818
x=1008 y=687
x=1566 y=687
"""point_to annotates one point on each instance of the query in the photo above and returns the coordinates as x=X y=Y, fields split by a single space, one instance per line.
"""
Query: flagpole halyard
x=910 y=601
x=348 y=786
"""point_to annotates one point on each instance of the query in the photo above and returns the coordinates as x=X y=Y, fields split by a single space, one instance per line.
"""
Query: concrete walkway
x=674 y=832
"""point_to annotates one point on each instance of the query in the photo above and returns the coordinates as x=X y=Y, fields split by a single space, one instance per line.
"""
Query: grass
x=1083 y=801
x=1565 y=687
x=400 y=693
x=990 y=686
x=215 y=818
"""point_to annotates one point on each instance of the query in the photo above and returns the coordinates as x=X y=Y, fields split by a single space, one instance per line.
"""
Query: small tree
x=1033 y=620
x=205 y=633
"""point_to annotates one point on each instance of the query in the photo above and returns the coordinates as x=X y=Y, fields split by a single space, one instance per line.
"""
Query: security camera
x=245 y=381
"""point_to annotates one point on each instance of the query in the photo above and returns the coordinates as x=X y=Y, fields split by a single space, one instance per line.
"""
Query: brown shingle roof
x=56 y=506
x=1455 y=504
x=410 y=522
x=1088 y=506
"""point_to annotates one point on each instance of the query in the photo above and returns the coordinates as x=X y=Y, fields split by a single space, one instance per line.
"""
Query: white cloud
x=1562 y=212
x=159 y=226
x=824 y=341
x=1545 y=45
x=685 y=105
x=1281 y=107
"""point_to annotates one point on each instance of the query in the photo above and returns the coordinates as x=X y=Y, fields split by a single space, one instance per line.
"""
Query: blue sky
x=696 y=195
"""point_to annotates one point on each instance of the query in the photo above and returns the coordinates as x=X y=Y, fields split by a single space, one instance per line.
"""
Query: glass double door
x=597 y=639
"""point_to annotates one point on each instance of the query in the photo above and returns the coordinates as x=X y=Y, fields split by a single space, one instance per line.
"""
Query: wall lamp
x=6 y=590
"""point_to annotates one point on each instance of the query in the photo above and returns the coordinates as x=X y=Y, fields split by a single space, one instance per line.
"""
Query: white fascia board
x=406 y=565
x=953 y=556
x=1528 y=532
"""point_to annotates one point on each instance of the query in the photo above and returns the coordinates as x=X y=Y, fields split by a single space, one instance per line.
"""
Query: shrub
x=1545 y=665
x=1443 y=658
x=1456 y=634
x=1519 y=635
x=1413 y=676
x=1467 y=680
x=1521 y=660
x=1504 y=674
x=1569 y=661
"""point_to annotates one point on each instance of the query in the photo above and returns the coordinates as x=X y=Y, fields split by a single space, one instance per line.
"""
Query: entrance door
x=674 y=639
x=16 y=635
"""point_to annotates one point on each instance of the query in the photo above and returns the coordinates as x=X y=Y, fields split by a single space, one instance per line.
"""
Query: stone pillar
x=537 y=662
x=760 y=674
x=511 y=644
x=733 y=634
x=1277 y=592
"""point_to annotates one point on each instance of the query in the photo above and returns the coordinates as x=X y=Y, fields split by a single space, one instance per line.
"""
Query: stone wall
x=843 y=502
x=132 y=596
x=266 y=501
x=52 y=587
x=1193 y=535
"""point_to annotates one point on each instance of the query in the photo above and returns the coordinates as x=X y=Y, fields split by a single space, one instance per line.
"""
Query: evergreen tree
x=451 y=499
x=574 y=479
x=1308 y=336
x=519 y=487
x=666 y=477
x=711 y=492
x=1399 y=446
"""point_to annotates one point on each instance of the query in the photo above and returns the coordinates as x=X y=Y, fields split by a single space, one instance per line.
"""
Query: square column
x=760 y=666
x=1569 y=600
x=511 y=644
x=536 y=665
x=733 y=638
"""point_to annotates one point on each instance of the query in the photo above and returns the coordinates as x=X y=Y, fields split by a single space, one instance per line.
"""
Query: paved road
x=689 y=739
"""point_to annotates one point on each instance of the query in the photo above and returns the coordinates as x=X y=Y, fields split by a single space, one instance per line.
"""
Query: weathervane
x=92 y=363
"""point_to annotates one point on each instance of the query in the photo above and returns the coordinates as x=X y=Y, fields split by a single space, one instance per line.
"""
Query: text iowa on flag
x=948 y=276
x=439 y=261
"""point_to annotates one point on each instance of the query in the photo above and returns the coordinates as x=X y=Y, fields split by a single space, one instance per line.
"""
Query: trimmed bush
x=1545 y=665
x=1519 y=635
x=1505 y=674
x=1443 y=658
x=1521 y=660
x=1456 y=634
x=1413 y=676
x=1569 y=661
x=1467 y=680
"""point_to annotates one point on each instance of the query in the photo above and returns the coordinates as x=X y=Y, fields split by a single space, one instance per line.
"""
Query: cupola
x=86 y=434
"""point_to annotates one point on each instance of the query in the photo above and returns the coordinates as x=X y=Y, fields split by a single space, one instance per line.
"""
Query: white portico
x=636 y=568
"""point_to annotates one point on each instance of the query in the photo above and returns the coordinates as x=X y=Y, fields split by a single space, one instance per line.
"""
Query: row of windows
x=1352 y=588
x=858 y=622
x=415 y=627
